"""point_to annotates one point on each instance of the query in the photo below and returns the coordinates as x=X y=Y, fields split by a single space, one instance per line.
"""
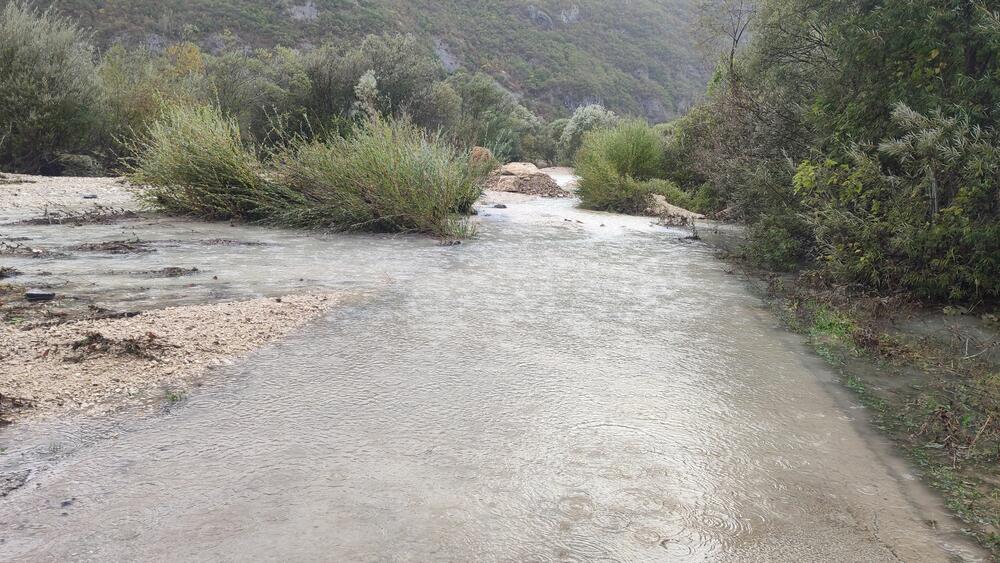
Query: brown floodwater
x=570 y=386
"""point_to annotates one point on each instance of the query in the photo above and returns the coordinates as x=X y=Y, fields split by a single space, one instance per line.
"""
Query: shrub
x=922 y=214
x=49 y=93
x=584 y=120
x=137 y=86
x=779 y=241
x=390 y=176
x=615 y=165
x=681 y=138
x=195 y=163
x=260 y=89
x=491 y=117
x=403 y=69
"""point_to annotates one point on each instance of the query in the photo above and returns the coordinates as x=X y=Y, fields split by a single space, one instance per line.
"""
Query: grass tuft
x=195 y=163
x=388 y=176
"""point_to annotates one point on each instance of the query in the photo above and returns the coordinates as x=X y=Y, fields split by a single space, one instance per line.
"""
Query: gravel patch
x=24 y=197
x=102 y=365
x=532 y=184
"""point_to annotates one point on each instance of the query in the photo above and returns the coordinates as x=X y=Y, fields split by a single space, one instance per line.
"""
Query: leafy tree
x=49 y=91
x=584 y=120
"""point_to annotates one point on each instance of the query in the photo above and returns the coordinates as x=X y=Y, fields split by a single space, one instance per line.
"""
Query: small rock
x=35 y=295
x=499 y=206
x=90 y=196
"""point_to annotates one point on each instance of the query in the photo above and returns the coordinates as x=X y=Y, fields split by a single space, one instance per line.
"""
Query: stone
x=35 y=295
x=519 y=169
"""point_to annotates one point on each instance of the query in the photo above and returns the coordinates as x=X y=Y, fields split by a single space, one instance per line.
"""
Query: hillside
x=637 y=57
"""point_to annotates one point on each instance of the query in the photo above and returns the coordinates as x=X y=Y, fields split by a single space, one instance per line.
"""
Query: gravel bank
x=23 y=196
x=101 y=365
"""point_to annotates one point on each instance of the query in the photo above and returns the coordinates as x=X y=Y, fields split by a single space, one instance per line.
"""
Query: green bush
x=923 y=213
x=195 y=163
x=49 y=92
x=389 y=176
x=779 y=241
x=615 y=166
x=404 y=71
x=260 y=90
x=491 y=117
x=137 y=86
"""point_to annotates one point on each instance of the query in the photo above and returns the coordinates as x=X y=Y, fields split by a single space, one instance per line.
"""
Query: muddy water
x=568 y=387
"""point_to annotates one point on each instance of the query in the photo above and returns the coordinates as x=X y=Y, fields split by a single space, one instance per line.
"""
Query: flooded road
x=569 y=386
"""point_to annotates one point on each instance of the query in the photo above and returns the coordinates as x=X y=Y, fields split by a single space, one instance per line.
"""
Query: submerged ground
x=568 y=386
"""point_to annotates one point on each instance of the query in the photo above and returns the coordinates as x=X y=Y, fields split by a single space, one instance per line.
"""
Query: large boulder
x=519 y=169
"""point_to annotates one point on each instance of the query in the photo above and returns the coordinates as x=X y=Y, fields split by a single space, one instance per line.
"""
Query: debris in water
x=36 y=295
x=99 y=215
x=23 y=251
x=134 y=246
x=10 y=482
x=168 y=272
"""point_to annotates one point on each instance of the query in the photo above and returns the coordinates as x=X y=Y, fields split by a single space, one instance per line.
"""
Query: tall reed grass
x=195 y=163
x=388 y=176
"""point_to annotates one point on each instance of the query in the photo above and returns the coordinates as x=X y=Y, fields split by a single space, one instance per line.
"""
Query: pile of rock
x=524 y=178
x=671 y=214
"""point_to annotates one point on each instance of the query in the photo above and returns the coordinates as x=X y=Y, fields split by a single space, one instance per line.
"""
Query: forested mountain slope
x=635 y=56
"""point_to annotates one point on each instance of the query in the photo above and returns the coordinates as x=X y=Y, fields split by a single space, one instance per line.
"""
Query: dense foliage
x=65 y=110
x=634 y=57
x=859 y=138
x=618 y=168
x=388 y=176
x=49 y=92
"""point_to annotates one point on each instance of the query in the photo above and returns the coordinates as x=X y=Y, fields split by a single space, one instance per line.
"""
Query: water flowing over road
x=569 y=386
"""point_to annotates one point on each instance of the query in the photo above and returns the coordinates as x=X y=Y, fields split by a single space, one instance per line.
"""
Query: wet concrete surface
x=570 y=386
